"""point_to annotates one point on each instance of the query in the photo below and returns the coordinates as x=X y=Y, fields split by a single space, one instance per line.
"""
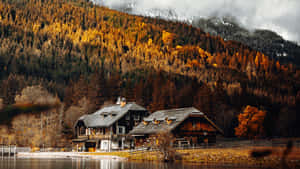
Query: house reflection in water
x=81 y=163
x=78 y=163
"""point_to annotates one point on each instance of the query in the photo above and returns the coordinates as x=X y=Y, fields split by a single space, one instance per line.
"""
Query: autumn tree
x=10 y=87
x=202 y=99
x=6 y=136
x=251 y=123
x=167 y=37
x=75 y=111
x=157 y=102
x=97 y=90
x=41 y=128
x=35 y=95
x=76 y=91
x=1 y=103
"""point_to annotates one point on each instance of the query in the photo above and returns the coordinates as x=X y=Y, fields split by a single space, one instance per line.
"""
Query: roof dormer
x=169 y=120
x=104 y=114
x=157 y=120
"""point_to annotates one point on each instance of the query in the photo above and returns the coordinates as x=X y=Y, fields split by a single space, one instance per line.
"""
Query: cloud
x=280 y=16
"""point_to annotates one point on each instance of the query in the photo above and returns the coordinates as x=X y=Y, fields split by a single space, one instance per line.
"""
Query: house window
x=121 y=130
x=194 y=124
x=145 y=123
x=88 y=131
x=82 y=131
x=127 y=117
x=97 y=131
x=136 y=117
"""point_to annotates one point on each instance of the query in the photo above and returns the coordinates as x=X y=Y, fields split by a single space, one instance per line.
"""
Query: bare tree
x=36 y=94
x=164 y=142
x=75 y=111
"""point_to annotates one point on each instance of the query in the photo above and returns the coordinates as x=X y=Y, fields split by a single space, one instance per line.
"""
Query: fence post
x=2 y=150
x=9 y=151
x=15 y=150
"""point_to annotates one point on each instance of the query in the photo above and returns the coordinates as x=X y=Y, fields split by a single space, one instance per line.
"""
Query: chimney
x=123 y=102
x=119 y=100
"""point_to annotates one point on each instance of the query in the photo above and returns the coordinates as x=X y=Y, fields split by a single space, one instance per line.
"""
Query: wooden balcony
x=101 y=137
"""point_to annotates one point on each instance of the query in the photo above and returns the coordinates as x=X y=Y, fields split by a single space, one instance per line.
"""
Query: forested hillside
x=85 y=56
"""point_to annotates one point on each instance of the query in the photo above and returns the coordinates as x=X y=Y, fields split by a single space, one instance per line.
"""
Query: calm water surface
x=77 y=163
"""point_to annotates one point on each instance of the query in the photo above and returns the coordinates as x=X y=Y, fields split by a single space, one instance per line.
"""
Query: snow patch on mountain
x=278 y=16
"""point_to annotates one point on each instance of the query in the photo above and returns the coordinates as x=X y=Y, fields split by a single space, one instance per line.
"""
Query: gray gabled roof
x=108 y=115
x=176 y=115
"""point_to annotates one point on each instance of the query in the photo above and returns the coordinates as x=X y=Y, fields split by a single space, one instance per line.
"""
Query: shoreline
x=62 y=155
x=212 y=156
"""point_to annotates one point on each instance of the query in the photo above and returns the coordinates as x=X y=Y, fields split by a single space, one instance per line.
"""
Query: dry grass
x=216 y=156
x=146 y=155
x=117 y=153
x=239 y=156
x=137 y=155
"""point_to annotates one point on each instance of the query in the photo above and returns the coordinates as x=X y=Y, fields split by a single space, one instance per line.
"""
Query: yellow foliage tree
x=1 y=103
x=167 y=37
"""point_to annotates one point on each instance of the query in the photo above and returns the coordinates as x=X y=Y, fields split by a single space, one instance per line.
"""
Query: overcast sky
x=281 y=16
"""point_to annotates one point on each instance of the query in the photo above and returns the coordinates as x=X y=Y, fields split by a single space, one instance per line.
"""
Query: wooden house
x=107 y=128
x=189 y=126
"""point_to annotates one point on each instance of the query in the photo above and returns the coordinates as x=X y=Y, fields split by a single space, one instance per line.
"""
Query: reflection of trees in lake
x=83 y=163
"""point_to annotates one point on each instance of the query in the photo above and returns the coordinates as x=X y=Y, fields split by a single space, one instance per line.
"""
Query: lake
x=79 y=163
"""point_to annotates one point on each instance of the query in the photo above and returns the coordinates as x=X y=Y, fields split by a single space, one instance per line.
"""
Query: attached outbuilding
x=189 y=126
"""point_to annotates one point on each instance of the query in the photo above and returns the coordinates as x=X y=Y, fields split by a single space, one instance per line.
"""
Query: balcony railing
x=108 y=136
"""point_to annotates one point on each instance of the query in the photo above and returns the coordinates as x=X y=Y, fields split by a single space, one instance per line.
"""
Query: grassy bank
x=217 y=156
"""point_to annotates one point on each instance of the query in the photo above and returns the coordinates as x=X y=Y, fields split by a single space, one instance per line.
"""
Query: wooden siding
x=129 y=121
x=192 y=132
x=194 y=126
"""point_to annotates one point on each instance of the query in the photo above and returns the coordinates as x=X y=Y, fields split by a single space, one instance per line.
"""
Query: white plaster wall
x=104 y=144
x=115 y=145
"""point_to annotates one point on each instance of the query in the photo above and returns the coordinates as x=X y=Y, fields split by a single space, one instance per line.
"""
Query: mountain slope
x=265 y=41
x=76 y=50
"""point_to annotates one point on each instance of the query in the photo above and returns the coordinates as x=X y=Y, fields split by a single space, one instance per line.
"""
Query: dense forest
x=83 y=56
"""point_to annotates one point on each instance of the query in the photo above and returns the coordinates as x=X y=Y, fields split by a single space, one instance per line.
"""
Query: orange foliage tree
x=251 y=123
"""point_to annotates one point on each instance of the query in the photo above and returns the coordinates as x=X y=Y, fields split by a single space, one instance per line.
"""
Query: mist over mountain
x=263 y=40
x=277 y=15
x=267 y=26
